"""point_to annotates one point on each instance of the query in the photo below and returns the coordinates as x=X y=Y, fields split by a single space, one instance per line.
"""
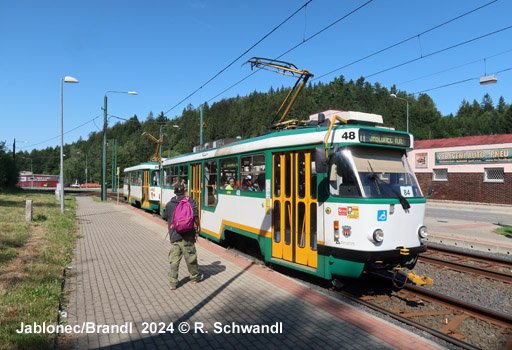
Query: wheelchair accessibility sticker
x=382 y=215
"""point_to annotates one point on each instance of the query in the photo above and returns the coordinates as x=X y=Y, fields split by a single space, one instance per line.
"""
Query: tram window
x=312 y=226
x=287 y=223
x=312 y=184
x=301 y=175
x=252 y=171
x=155 y=178
x=301 y=228
x=277 y=175
x=173 y=176
x=277 y=221
x=287 y=175
x=228 y=170
x=126 y=179
x=166 y=177
x=342 y=179
x=183 y=175
x=210 y=183
x=139 y=177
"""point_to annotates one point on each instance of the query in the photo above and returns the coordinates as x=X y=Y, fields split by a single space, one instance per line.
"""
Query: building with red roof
x=473 y=168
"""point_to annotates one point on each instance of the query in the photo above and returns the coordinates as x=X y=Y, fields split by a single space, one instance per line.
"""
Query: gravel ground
x=485 y=292
x=482 y=291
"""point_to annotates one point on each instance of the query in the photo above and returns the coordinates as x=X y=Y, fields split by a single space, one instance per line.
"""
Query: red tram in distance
x=27 y=179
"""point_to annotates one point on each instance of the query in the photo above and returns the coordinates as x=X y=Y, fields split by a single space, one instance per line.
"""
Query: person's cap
x=248 y=177
x=179 y=189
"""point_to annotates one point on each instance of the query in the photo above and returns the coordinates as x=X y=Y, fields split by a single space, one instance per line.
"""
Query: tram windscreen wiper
x=403 y=201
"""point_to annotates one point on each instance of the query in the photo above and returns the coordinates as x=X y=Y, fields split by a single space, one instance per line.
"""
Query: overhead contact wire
x=53 y=138
x=439 y=51
x=246 y=51
x=405 y=40
x=296 y=46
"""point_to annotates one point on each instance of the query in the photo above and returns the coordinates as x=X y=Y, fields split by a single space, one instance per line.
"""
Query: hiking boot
x=198 y=279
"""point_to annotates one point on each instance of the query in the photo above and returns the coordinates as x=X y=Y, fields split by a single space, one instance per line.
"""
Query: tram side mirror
x=430 y=192
x=321 y=163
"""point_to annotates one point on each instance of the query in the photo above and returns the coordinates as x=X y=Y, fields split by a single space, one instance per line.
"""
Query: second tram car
x=329 y=201
x=141 y=186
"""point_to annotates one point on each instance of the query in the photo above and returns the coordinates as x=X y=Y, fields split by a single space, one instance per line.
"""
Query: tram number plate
x=406 y=191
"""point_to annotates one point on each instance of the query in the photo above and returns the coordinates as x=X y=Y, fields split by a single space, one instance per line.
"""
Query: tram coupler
x=419 y=280
x=411 y=276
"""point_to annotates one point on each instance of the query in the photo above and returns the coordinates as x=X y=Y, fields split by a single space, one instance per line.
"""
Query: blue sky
x=165 y=50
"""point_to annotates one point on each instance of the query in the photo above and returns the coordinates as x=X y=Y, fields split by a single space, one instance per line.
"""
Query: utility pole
x=160 y=149
x=114 y=165
x=201 y=125
x=104 y=152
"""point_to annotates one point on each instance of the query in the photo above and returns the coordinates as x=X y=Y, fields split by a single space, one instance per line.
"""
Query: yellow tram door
x=195 y=184
x=305 y=209
x=145 y=188
x=294 y=208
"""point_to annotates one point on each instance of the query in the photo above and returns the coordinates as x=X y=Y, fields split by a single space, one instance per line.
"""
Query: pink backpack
x=183 y=217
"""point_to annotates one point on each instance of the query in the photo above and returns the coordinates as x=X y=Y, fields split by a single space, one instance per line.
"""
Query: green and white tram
x=330 y=201
x=141 y=186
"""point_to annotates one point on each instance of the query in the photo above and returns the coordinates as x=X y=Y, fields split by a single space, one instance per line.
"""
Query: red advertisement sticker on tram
x=342 y=211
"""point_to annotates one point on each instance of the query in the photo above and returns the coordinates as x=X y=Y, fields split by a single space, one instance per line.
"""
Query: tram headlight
x=378 y=235
x=422 y=232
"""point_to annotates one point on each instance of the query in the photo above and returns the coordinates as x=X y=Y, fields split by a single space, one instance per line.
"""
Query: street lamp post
x=66 y=79
x=407 y=101
x=104 y=155
x=86 y=170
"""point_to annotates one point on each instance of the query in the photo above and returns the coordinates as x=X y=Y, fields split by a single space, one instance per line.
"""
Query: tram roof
x=144 y=166
x=311 y=135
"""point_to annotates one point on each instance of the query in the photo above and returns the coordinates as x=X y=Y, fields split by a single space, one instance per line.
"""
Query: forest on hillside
x=249 y=116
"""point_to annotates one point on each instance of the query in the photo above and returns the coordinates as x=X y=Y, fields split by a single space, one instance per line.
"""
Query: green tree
x=507 y=125
x=8 y=170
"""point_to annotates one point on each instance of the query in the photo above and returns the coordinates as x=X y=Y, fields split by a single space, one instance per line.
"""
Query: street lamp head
x=68 y=79
x=488 y=79
x=393 y=95
x=133 y=92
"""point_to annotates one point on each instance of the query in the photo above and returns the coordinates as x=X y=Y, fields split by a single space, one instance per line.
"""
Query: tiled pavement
x=119 y=277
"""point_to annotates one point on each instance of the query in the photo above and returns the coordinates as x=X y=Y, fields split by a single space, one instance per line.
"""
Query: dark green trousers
x=184 y=248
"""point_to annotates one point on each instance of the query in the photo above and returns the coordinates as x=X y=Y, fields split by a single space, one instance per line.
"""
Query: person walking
x=182 y=213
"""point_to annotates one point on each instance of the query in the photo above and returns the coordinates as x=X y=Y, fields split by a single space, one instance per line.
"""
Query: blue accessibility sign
x=382 y=215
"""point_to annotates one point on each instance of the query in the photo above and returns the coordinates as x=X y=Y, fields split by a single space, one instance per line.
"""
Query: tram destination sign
x=384 y=138
x=495 y=155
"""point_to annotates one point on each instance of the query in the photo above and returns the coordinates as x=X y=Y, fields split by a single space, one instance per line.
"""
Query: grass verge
x=505 y=231
x=32 y=259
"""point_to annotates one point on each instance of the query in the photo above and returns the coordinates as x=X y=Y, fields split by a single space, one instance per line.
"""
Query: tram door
x=145 y=188
x=195 y=184
x=294 y=223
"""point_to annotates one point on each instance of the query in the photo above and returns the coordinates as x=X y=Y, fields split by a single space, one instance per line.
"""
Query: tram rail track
x=461 y=261
x=454 y=312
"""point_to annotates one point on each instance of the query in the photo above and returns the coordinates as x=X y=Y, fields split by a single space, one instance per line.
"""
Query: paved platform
x=119 y=277
x=467 y=232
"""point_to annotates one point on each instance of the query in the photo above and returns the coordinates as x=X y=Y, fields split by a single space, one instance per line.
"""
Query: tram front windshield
x=372 y=172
